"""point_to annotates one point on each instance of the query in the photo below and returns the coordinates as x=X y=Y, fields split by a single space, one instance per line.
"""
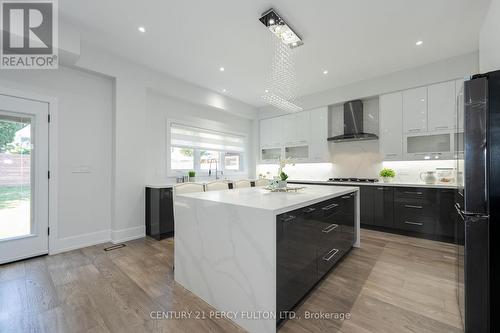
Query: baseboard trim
x=77 y=242
x=128 y=234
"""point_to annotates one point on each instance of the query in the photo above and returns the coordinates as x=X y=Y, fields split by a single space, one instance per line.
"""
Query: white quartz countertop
x=278 y=202
x=395 y=184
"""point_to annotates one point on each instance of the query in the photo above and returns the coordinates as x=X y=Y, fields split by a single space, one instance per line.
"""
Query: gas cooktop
x=357 y=180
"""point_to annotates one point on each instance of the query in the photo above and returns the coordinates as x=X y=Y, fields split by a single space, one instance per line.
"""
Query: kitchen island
x=254 y=254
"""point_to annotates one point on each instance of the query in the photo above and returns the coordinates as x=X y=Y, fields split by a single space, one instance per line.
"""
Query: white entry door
x=24 y=184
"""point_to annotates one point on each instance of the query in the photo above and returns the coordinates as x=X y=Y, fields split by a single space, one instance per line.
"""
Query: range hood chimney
x=353 y=124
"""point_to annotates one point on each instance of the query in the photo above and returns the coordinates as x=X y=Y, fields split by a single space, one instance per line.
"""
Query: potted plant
x=191 y=175
x=387 y=175
x=283 y=178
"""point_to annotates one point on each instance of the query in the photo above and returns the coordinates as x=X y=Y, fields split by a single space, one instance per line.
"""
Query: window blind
x=194 y=137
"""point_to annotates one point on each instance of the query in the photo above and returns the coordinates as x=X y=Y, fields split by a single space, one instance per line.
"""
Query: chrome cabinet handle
x=331 y=206
x=391 y=154
x=309 y=210
x=441 y=127
x=346 y=197
x=380 y=188
x=417 y=193
x=330 y=254
x=290 y=218
x=413 y=206
x=414 y=223
x=414 y=130
x=330 y=228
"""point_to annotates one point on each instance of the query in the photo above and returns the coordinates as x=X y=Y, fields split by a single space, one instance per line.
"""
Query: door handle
x=413 y=206
x=330 y=254
x=331 y=206
x=414 y=223
x=330 y=228
x=459 y=211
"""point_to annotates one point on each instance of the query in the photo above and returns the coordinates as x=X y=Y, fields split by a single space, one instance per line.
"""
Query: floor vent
x=114 y=247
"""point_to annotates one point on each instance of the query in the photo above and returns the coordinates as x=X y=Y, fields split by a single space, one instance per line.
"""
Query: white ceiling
x=354 y=40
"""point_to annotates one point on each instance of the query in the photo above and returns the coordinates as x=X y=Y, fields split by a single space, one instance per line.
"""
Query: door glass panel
x=271 y=153
x=429 y=143
x=297 y=152
x=15 y=176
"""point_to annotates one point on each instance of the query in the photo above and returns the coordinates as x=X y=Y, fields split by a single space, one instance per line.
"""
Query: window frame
x=196 y=154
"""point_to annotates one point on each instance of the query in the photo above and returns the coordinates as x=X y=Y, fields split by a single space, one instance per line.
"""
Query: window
x=182 y=158
x=232 y=161
x=200 y=150
x=208 y=158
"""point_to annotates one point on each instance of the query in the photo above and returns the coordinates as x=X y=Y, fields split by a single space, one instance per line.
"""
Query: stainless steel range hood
x=353 y=124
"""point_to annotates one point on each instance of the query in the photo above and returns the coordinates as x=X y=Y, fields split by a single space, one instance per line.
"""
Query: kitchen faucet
x=216 y=169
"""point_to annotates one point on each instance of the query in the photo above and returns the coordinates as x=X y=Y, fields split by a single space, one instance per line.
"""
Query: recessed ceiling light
x=222 y=69
x=141 y=29
x=325 y=72
x=266 y=91
x=419 y=42
x=224 y=90
x=271 y=21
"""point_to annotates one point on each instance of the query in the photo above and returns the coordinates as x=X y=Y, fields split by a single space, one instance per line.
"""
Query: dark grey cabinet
x=296 y=259
x=414 y=211
x=445 y=224
x=309 y=242
x=367 y=195
x=383 y=207
x=159 y=212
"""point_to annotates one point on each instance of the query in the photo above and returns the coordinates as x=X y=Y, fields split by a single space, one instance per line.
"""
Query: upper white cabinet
x=294 y=130
x=391 y=122
x=276 y=132
x=319 y=147
x=265 y=133
x=415 y=110
x=459 y=102
x=270 y=132
x=301 y=136
x=441 y=106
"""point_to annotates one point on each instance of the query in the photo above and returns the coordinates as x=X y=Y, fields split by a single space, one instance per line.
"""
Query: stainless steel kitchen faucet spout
x=210 y=168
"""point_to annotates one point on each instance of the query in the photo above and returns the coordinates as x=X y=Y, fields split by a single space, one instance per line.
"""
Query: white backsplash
x=303 y=171
x=361 y=164
x=409 y=171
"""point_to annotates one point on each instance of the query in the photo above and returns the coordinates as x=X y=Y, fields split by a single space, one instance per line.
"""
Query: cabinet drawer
x=415 y=195
x=415 y=218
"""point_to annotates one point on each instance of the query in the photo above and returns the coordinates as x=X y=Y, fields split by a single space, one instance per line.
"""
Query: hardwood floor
x=392 y=284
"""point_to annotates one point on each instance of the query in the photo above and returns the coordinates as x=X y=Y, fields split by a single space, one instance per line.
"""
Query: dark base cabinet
x=412 y=211
x=310 y=241
x=159 y=212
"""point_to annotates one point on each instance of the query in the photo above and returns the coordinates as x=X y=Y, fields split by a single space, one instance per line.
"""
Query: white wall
x=161 y=108
x=130 y=172
x=448 y=69
x=84 y=121
x=489 y=40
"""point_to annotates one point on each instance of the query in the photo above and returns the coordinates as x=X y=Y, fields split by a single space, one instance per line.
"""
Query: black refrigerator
x=477 y=200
